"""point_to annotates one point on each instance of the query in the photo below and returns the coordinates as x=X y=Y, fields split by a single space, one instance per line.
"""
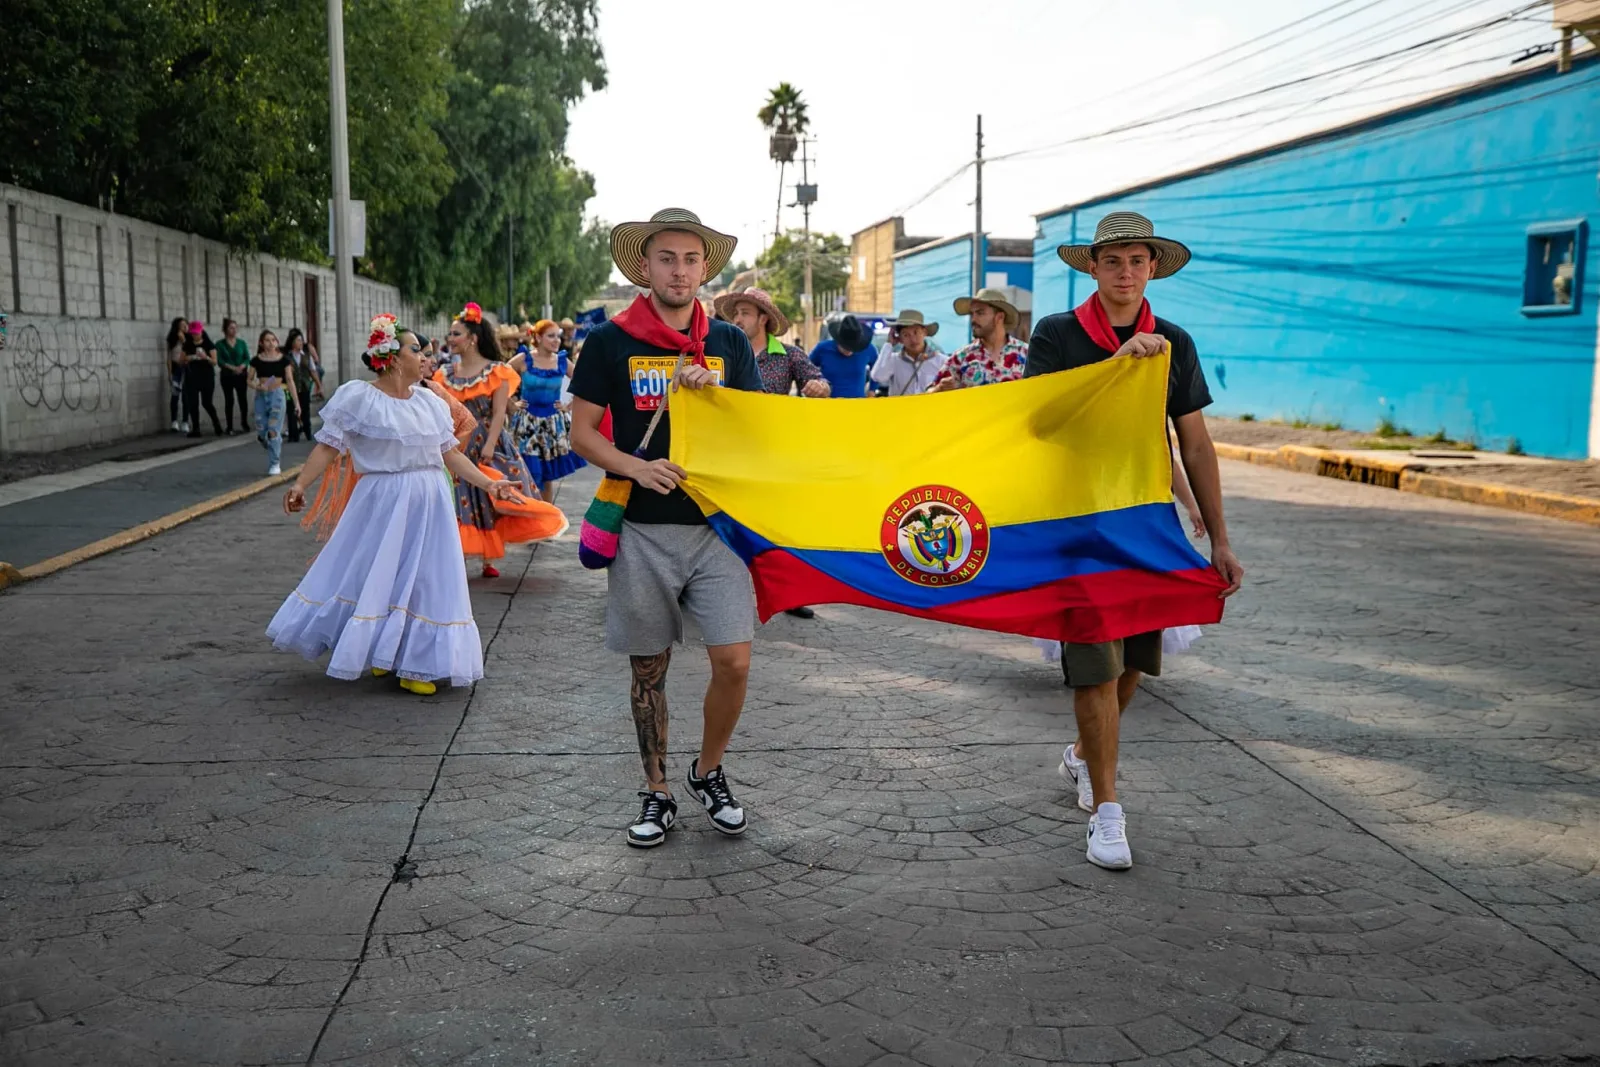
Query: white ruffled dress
x=389 y=589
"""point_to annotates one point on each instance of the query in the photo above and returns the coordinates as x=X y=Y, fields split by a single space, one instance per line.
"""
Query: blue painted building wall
x=929 y=279
x=1378 y=272
x=1018 y=272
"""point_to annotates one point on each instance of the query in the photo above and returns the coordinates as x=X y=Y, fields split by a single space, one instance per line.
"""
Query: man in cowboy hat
x=668 y=560
x=1116 y=320
x=845 y=356
x=994 y=355
x=911 y=365
x=783 y=367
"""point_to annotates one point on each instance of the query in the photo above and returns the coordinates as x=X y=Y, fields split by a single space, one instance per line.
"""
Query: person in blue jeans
x=270 y=372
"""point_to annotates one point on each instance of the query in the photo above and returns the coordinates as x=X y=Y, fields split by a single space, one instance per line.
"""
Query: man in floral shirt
x=994 y=355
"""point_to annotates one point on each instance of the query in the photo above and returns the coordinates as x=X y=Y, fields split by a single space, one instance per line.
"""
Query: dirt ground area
x=1574 y=478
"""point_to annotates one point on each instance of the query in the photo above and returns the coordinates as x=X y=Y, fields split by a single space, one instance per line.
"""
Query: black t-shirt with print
x=630 y=377
x=1061 y=343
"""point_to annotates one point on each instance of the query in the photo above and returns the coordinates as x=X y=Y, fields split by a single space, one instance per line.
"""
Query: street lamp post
x=343 y=275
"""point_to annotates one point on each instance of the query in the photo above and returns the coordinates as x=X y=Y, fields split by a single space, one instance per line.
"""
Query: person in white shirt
x=912 y=365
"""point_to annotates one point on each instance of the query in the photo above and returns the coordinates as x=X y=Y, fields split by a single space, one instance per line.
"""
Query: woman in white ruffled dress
x=388 y=592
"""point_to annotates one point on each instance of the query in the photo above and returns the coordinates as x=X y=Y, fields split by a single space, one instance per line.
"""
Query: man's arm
x=1200 y=461
x=587 y=441
x=807 y=378
x=1044 y=352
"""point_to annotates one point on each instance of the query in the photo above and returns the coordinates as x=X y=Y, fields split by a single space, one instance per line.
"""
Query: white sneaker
x=174 y=425
x=1076 y=771
x=274 y=469
x=1108 y=839
x=183 y=427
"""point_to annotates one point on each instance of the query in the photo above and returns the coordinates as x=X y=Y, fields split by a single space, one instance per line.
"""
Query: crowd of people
x=515 y=411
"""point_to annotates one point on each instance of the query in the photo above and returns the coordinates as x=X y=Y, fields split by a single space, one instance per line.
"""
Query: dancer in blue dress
x=543 y=431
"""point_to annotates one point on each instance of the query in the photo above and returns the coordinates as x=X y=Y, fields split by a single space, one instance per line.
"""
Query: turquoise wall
x=1379 y=274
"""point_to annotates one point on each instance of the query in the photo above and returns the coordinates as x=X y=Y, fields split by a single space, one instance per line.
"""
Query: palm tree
x=785 y=115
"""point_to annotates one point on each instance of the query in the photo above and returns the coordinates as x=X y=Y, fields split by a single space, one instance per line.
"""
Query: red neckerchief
x=1091 y=315
x=642 y=322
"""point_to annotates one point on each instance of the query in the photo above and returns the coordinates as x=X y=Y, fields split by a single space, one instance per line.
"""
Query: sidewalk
x=34 y=528
x=1365 y=815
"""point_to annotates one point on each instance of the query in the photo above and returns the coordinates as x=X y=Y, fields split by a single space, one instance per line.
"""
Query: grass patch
x=1300 y=423
x=1385 y=444
x=1438 y=437
x=1247 y=417
x=1387 y=428
x=1330 y=427
x=1514 y=448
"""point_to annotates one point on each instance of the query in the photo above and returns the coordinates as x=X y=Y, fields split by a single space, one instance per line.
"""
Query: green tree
x=783 y=268
x=784 y=116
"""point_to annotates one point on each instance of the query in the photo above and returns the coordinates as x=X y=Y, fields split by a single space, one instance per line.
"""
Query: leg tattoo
x=648 y=696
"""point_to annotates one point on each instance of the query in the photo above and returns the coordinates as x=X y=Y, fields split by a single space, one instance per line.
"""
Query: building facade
x=930 y=277
x=1431 y=267
x=90 y=295
x=870 y=289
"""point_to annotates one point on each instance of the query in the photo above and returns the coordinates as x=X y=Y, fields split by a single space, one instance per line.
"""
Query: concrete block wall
x=90 y=296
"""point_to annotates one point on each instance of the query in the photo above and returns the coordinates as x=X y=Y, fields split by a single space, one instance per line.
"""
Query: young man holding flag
x=667 y=559
x=1116 y=320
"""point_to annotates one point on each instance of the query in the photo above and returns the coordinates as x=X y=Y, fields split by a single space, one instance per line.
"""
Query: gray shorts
x=663 y=572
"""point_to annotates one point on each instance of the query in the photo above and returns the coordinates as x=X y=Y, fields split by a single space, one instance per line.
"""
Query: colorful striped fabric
x=1041 y=507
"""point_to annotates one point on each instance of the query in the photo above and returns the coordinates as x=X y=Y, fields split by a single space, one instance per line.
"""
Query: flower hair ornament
x=383 y=342
x=471 y=313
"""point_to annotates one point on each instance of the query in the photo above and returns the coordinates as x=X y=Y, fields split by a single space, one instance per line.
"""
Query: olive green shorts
x=1089 y=665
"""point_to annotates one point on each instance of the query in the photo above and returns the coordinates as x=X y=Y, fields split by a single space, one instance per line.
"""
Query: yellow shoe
x=378 y=672
x=422 y=689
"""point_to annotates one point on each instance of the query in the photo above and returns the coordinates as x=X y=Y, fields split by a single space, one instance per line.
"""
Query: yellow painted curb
x=10 y=575
x=1410 y=476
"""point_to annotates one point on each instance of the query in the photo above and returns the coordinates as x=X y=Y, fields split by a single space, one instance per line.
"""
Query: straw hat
x=914 y=318
x=994 y=298
x=628 y=238
x=777 y=321
x=1127 y=227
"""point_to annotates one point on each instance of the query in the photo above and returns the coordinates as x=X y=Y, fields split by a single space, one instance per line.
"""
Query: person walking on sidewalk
x=668 y=560
x=1116 y=320
x=784 y=368
x=845 y=357
x=484 y=385
x=177 y=334
x=308 y=382
x=388 y=592
x=271 y=379
x=911 y=365
x=994 y=355
x=543 y=428
x=199 y=379
x=233 y=365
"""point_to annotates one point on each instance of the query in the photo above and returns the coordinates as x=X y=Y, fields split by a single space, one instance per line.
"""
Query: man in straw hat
x=784 y=368
x=668 y=560
x=1116 y=320
x=994 y=355
x=911 y=365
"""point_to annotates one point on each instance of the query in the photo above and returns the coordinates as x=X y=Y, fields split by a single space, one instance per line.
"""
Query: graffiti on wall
x=71 y=366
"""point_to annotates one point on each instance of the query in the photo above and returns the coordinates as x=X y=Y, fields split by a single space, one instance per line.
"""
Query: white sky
x=893 y=88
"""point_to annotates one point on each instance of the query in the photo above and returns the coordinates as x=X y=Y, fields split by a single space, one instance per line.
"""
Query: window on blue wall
x=1552 y=281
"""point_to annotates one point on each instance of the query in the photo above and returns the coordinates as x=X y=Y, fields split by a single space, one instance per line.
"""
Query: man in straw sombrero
x=668 y=562
x=1116 y=320
x=994 y=354
x=911 y=365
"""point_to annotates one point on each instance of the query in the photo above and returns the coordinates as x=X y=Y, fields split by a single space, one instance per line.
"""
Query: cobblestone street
x=1365 y=815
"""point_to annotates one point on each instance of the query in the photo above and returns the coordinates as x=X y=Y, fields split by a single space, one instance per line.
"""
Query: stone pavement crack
x=404 y=870
x=1362 y=829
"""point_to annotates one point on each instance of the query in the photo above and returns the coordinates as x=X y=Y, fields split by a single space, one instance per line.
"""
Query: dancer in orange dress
x=484 y=385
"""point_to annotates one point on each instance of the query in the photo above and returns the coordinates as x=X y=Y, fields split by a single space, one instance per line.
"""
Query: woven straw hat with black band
x=1127 y=227
x=628 y=238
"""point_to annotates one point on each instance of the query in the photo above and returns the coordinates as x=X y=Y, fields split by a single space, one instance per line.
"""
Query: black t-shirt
x=272 y=368
x=1061 y=343
x=630 y=377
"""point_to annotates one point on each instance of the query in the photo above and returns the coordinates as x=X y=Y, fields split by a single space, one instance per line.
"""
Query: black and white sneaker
x=656 y=817
x=726 y=814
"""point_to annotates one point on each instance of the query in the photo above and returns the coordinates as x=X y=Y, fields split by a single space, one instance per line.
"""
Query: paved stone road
x=1365 y=813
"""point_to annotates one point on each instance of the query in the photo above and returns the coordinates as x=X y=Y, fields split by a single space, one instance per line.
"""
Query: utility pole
x=805 y=200
x=511 y=265
x=344 y=286
x=549 y=308
x=977 y=220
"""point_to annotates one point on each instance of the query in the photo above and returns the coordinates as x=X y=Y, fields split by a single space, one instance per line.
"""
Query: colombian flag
x=1041 y=507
